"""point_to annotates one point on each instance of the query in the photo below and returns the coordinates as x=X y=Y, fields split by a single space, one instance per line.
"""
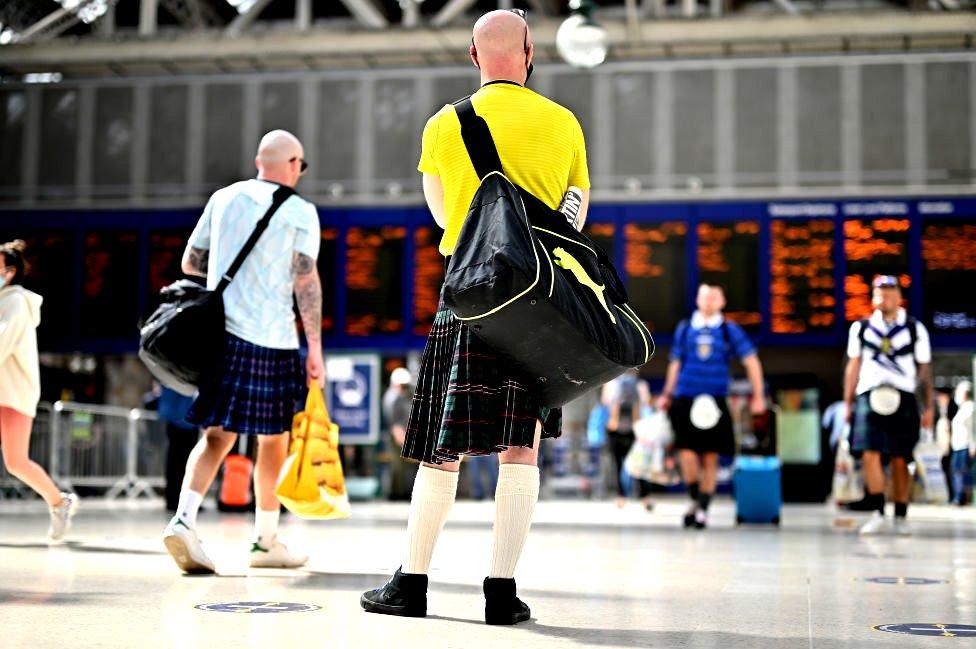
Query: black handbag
x=182 y=342
x=532 y=287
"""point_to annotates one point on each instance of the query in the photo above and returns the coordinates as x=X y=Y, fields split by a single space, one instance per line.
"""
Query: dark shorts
x=470 y=400
x=687 y=436
x=892 y=435
x=258 y=393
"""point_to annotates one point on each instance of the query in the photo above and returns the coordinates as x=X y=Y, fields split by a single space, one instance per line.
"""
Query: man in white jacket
x=20 y=386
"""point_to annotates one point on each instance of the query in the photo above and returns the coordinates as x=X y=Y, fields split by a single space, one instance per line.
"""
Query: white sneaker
x=875 y=525
x=277 y=556
x=902 y=528
x=61 y=516
x=184 y=546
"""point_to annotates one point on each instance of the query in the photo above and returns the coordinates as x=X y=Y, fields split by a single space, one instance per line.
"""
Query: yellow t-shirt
x=539 y=142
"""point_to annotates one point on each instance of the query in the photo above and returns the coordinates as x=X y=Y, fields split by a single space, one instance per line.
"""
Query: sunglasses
x=886 y=281
x=304 y=164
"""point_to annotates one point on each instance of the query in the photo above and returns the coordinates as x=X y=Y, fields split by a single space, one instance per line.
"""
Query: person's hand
x=928 y=419
x=663 y=402
x=757 y=405
x=315 y=369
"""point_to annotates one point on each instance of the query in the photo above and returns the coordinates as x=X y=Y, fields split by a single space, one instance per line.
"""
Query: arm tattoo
x=308 y=294
x=925 y=383
x=200 y=259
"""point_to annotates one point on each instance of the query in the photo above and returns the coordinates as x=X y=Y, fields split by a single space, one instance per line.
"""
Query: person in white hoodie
x=20 y=386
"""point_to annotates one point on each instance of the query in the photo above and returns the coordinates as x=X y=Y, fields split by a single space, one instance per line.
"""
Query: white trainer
x=875 y=525
x=184 y=546
x=902 y=527
x=61 y=516
x=277 y=556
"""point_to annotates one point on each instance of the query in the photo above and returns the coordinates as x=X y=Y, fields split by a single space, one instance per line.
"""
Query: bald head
x=502 y=46
x=279 y=158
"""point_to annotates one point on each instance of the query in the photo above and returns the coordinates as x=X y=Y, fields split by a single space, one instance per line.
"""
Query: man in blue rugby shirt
x=695 y=392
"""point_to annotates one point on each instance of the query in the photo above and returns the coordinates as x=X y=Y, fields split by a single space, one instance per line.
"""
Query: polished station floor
x=593 y=575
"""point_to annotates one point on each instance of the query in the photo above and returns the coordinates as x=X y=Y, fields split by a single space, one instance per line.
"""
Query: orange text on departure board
x=872 y=247
x=363 y=247
x=639 y=242
x=801 y=275
x=428 y=275
x=950 y=247
x=713 y=242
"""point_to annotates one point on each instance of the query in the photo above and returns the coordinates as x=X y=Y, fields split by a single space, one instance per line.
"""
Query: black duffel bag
x=182 y=342
x=532 y=287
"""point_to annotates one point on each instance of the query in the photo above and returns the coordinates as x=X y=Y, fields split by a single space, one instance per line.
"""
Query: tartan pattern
x=470 y=400
x=258 y=393
x=893 y=435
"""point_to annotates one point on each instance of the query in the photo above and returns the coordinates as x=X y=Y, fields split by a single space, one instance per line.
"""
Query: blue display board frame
x=917 y=210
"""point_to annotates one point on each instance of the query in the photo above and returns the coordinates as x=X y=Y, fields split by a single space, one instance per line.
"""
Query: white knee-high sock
x=515 y=498
x=433 y=494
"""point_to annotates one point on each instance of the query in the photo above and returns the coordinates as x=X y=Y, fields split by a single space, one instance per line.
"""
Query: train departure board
x=51 y=266
x=654 y=263
x=165 y=258
x=110 y=284
x=872 y=247
x=428 y=276
x=374 y=280
x=728 y=256
x=328 y=250
x=949 y=275
x=801 y=268
x=602 y=235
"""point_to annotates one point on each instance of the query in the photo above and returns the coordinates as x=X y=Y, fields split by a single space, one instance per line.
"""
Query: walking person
x=889 y=359
x=695 y=395
x=396 y=411
x=20 y=387
x=471 y=400
x=260 y=386
x=963 y=445
x=626 y=396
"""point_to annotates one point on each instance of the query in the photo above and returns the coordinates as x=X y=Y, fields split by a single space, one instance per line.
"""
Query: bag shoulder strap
x=277 y=200
x=683 y=327
x=477 y=139
x=860 y=334
x=913 y=331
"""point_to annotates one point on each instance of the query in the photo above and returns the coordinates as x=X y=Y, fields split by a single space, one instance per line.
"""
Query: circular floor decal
x=943 y=630
x=903 y=581
x=258 y=607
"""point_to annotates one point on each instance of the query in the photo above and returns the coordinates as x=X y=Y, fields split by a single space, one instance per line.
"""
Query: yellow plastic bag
x=311 y=484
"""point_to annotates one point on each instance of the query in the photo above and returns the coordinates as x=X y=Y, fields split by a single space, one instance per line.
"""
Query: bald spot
x=279 y=146
x=499 y=35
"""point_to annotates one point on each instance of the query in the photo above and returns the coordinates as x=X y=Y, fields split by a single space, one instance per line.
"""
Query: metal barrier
x=119 y=451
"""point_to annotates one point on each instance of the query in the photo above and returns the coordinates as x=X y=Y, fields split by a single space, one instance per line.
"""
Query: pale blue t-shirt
x=258 y=303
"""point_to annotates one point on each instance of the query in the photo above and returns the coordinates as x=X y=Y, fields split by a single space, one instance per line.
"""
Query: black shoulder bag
x=182 y=342
x=534 y=288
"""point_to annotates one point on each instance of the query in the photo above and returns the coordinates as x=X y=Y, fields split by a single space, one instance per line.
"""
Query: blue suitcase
x=758 y=489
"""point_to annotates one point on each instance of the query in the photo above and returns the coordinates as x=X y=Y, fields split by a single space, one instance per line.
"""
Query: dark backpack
x=910 y=323
x=182 y=342
x=534 y=288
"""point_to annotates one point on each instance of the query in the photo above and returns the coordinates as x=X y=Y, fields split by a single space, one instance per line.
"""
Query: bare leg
x=709 y=473
x=15 y=432
x=900 y=479
x=874 y=479
x=690 y=466
x=272 y=453
x=205 y=459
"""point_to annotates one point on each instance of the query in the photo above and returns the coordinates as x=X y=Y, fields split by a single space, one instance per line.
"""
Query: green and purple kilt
x=470 y=400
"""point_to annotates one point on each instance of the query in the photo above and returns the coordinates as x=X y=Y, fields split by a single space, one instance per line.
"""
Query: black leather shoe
x=501 y=604
x=404 y=595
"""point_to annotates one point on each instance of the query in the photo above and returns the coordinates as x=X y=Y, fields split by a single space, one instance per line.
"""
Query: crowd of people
x=466 y=400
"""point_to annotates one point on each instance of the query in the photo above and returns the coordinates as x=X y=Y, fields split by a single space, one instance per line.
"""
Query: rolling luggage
x=235 y=493
x=535 y=289
x=758 y=489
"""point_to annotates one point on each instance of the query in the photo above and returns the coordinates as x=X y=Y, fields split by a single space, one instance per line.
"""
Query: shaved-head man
x=261 y=384
x=471 y=400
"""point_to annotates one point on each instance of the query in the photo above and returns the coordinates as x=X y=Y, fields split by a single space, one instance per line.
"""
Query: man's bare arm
x=196 y=261
x=851 y=374
x=584 y=208
x=927 y=385
x=308 y=294
x=434 y=194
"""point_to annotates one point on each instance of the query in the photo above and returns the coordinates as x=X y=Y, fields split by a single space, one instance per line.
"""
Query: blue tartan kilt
x=470 y=400
x=258 y=392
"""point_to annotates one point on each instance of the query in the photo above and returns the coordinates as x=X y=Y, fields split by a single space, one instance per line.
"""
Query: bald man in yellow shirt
x=470 y=400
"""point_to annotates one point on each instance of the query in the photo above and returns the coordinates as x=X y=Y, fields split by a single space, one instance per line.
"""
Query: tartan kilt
x=258 y=392
x=470 y=399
